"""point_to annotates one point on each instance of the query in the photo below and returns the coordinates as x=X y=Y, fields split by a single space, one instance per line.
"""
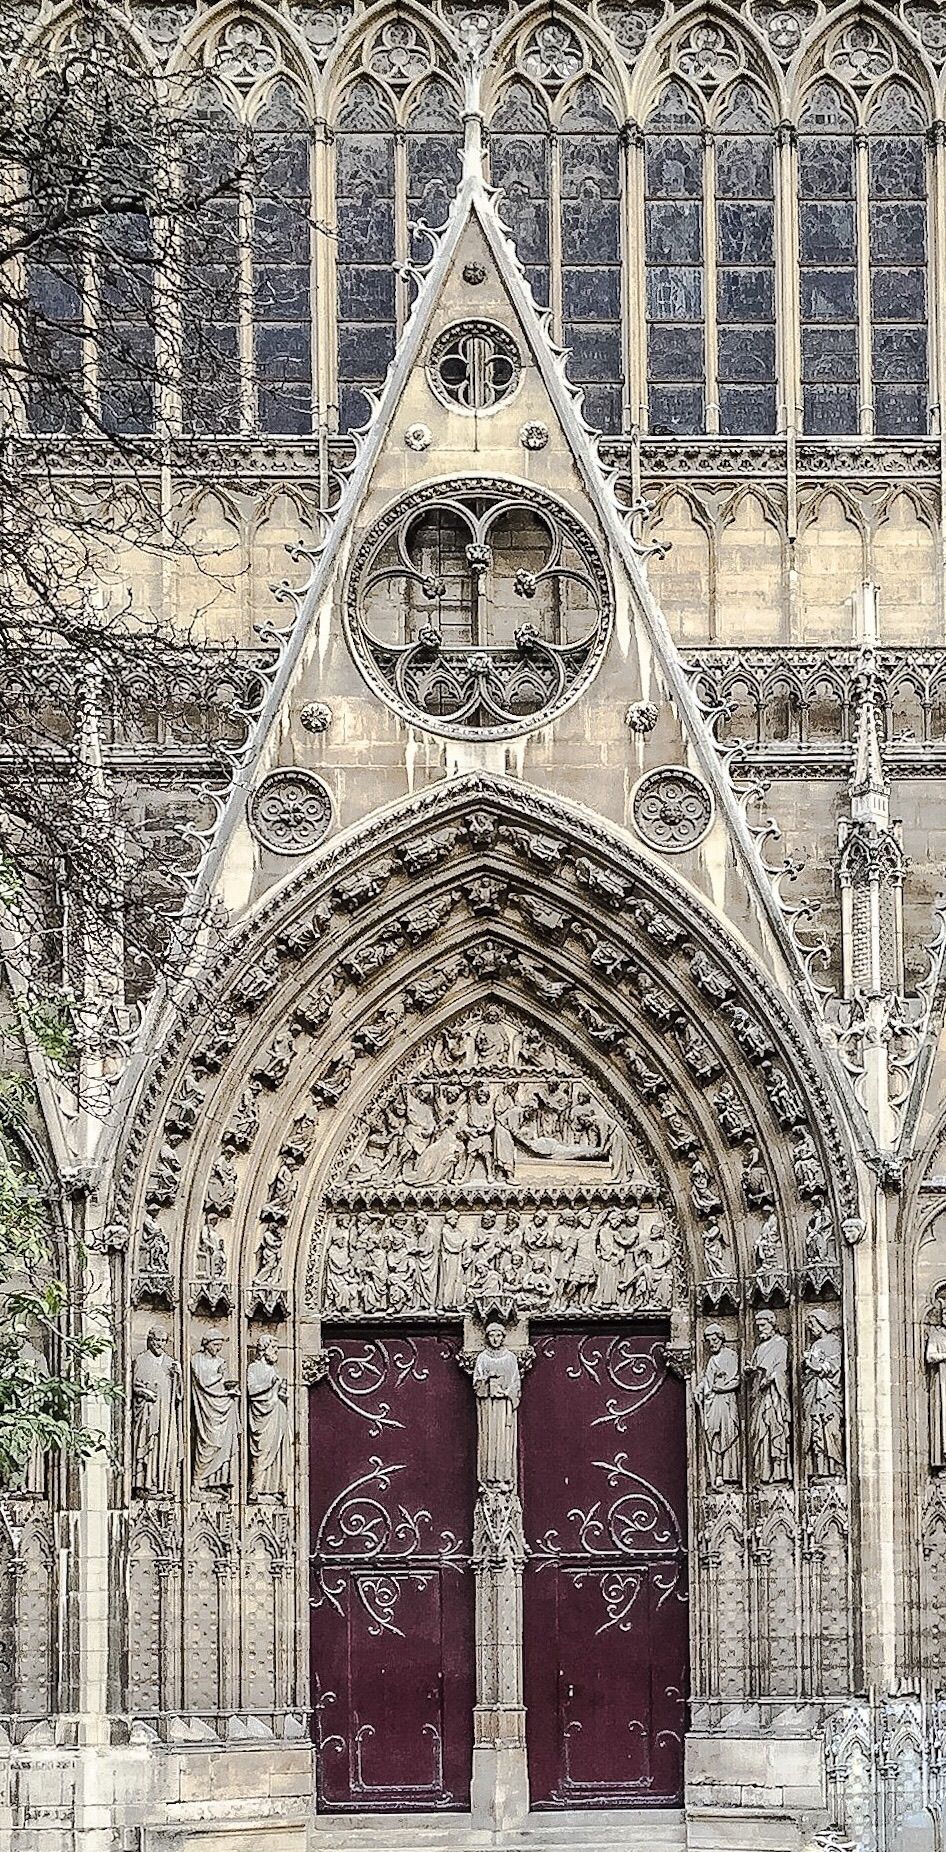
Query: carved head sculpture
x=765 y=1324
x=715 y=1338
x=212 y=1345
x=819 y=1323
x=267 y=1350
x=156 y=1340
x=495 y=1334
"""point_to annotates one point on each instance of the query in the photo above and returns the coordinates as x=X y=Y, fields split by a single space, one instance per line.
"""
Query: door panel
x=392 y=1465
x=603 y=1453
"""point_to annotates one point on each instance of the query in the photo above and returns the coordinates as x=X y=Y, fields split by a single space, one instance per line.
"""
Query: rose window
x=482 y=610
x=475 y=365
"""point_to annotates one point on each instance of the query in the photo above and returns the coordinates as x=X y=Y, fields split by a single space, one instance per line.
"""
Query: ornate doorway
x=392 y=1450
x=603 y=1466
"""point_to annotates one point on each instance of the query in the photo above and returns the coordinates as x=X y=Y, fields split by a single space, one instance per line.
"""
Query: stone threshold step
x=663 y=1831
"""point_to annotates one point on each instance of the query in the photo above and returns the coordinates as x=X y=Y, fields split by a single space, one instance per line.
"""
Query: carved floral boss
x=482 y=609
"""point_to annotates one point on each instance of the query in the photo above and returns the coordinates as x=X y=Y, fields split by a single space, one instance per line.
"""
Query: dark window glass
x=897 y=215
x=434 y=162
x=745 y=258
x=828 y=250
x=211 y=247
x=365 y=196
x=282 y=265
x=590 y=156
x=54 y=356
x=519 y=164
x=673 y=165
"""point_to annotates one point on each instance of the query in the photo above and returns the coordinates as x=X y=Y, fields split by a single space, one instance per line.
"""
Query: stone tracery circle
x=474 y=366
x=290 y=813
x=673 y=809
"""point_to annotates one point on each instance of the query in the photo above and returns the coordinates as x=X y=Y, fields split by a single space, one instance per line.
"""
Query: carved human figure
x=716 y=1394
x=821 y=1242
x=214 y=1418
x=717 y=1252
x=497 y=1384
x=770 y=1416
x=450 y=1289
x=936 y=1365
x=157 y=1391
x=822 y=1397
x=267 y=1423
x=703 y=1194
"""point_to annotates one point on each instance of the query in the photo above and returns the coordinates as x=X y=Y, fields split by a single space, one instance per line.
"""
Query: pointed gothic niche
x=495 y=1171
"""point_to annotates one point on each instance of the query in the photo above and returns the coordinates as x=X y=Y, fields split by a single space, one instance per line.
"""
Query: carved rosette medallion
x=291 y=811
x=673 y=809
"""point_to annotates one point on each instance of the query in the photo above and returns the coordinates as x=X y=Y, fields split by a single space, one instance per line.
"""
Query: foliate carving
x=823 y=1395
x=157 y=1392
x=267 y=1421
x=641 y=717
x=315 y=716
x=672 y=809
x=214 y=1419
x=417 y=437
x=533 y=436
x=290 y=812
x=767 y=1369
x=716 y=1393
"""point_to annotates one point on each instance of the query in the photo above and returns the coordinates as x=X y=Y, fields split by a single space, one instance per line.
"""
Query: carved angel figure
x=936 y=1365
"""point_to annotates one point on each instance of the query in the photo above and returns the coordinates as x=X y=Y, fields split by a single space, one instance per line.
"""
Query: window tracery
x=480 y=611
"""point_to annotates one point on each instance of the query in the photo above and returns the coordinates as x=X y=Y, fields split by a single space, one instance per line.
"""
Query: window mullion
x=324 y=277
x=788 y=271
x=634 y=275
x=710 y=325
x=862 y=177
x=91 y=338
x=555 y=234
x=248 y=417
x=401 y=233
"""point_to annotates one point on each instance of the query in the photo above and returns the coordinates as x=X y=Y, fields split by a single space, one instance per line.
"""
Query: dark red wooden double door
x=393 y=1478
x=603 y=1465
x=393 y=1483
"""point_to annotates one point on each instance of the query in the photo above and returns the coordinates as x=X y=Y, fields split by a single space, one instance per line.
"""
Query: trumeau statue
x=823 y=1397
x=267 y=1423
x=497 y=1385
x=214 y=1419
x=770 y=1407
x=157 y=1391
x=716 y=1393
x=936 y=1365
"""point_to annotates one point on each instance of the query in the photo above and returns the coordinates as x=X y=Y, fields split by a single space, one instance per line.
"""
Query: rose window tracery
x=475 y=366
x=480 y=610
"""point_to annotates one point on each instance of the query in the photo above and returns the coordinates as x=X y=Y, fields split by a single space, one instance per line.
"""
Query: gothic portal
x=521 y=1228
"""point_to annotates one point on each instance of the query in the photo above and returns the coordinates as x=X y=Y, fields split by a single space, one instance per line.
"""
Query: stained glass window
x=520 y=165
x=561 y=183
x=383 y=196
x=675 y=265
x=211 y=240
x=827 y=214
x=897 y=213
x=745 y=267
x=590 y=155
x=282 y=320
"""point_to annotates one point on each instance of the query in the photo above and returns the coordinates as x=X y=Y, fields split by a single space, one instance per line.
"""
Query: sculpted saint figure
x=497 y=1385
x=267 y=1422
x=936 y=1364
x=716 y=1398
x=822 y=1366
x=214 y=1418
x=770 y=1420
x=32 y=1477
x=156 y=1393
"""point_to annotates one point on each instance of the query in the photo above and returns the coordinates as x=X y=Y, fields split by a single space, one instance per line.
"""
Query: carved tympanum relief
x=495 y=1170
